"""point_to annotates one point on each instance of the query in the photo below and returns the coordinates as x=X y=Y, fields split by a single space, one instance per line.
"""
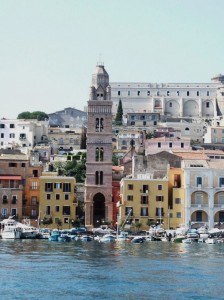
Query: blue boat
x=54 y=235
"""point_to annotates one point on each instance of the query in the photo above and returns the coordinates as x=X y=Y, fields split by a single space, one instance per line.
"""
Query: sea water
x=40 y=269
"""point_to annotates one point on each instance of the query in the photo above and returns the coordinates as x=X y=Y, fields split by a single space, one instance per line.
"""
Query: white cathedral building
x=194 y=100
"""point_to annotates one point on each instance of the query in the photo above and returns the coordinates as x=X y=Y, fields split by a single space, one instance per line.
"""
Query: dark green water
x=40 y=269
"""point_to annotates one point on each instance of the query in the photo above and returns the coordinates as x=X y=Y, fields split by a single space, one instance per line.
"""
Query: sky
x=49 y=49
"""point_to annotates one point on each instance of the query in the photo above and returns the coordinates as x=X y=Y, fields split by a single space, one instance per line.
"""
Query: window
x=159 y=145
x=221 y=199
x=207 y=93
x=12 y=135
x=199 y=181
x=144 y=212
x=48 y=187
x=22 y=136
x=170 y=104
x=177 y=200
x=129 y=211
x=48 y=196
x=160 y=187
x=198 y=198
x=168 y=93
x=144 y=200
x=4 y=212
x=12 y=126
x=99 y=154
x=145 y=188
x=130 y=186
x=99 y=124
x=148 y=93
x=170 y=145
x=157 y=93
x=2 y=125
x=33 y=200
x=178 y=215
x=66 y=220
x=177 y=180
x=66 y=210
x=57 y=196
x=48 y=210
x=23 y=165
x=199 y=216
x=221 y=182
x=57 y=208
x=182 y=145
x=118 y=93
x=58 y=185
x=14 y=199
x=2 y=135
x=129 y=93
x=14 y=212
x=66 y=196
x=12 y=165
x=33 y=212
x=159 y=198
x=207 y=104
x=129 y=197
x=197 y=93
x=188 y=93
x=34 y=185
x=178 y=93
x=159 y=211
x=138 y=93
x=67 y=187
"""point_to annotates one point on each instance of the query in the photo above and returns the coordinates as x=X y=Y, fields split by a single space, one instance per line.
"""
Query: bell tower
x=98 y=185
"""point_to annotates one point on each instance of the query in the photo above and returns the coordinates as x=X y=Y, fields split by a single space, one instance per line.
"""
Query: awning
x=11 y=177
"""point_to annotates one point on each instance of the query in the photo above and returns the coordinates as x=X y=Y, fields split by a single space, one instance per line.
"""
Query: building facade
x=98 y=185
x=171 y=99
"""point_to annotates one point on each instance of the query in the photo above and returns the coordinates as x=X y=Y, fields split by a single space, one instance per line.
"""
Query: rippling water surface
x=40 y=269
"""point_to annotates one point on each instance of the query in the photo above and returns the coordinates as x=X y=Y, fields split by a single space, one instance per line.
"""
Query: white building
x=22 y=134
x=171 y=99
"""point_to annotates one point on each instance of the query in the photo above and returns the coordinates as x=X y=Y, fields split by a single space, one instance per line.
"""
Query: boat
x=54 y=235
x=107 y=238
x=211 y=240
x=187 y=241
x=137 y=240
x=86 y=238
x=10 y=229
x=44 y=233
x=64 y=237
x=123 y=236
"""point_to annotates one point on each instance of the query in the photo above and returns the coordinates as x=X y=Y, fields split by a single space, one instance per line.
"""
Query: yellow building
x=176 y=197
x=147 y=199
x=57 y=200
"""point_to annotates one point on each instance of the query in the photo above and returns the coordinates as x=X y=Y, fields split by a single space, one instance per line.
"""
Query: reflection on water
x=39 y=269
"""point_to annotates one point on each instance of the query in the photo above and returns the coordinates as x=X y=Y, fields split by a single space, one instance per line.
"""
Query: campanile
x=98 y=185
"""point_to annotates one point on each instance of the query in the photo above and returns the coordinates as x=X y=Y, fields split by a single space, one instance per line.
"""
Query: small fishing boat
x=54 y=235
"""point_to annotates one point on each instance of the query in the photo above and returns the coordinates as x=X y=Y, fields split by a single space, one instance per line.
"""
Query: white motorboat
x=107 y=238
x=123 y=236
x=211 y=240
x=10 y=230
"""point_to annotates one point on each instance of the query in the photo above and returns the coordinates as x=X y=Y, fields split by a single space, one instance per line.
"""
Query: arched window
x=101 y=154
x=97 y=178
x=97 y=154
x=99 y=124
x=101 y=177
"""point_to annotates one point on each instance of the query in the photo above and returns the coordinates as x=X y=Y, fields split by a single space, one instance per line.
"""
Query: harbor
x=39 y=269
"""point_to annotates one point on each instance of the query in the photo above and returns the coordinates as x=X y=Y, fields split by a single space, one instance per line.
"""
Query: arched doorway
x=98 y=209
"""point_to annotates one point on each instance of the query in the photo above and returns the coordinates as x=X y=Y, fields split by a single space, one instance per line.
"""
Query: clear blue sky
x=49 y=48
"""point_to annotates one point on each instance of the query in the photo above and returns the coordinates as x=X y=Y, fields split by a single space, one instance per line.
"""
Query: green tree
x=76 y=168
x=119 y=115
x=115 y=160
x=39 y=115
